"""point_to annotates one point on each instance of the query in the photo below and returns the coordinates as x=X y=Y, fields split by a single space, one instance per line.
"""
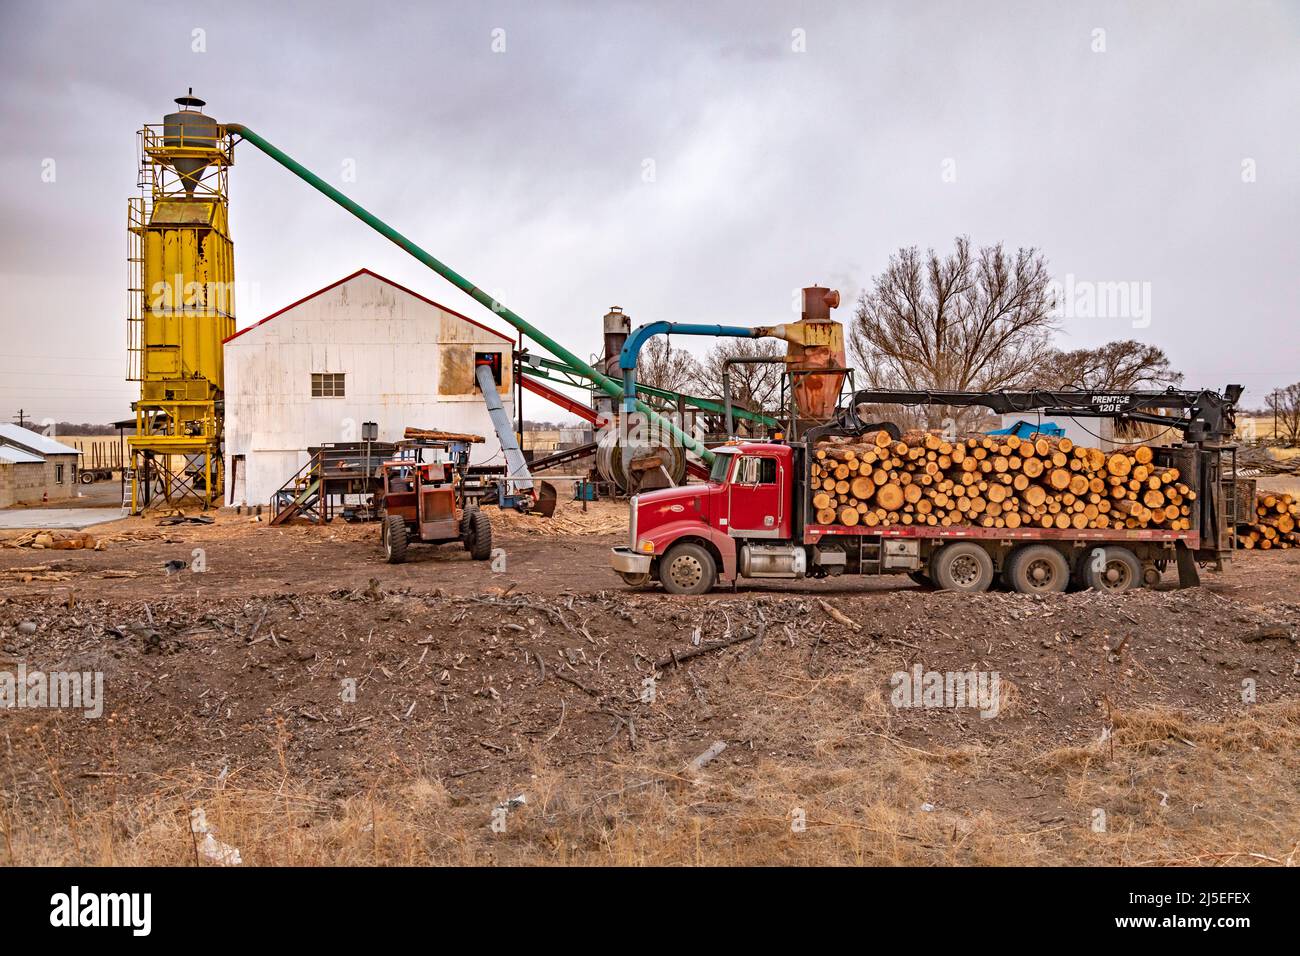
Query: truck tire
x=1037 y=569
x=635 y=580
x=395 y=539
x=687 y=569
x=962 y=566
x=1118 y=570
x=480 y=536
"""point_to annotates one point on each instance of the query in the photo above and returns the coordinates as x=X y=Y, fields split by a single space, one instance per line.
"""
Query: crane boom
x=1207 y=415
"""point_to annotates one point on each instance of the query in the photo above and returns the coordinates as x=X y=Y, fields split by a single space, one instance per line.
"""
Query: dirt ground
x=323 y=706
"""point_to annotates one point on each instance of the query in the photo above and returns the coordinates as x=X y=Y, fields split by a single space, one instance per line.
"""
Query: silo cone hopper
x=190 y=130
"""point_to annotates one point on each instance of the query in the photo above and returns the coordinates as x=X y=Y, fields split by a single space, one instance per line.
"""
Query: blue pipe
x=632 y=348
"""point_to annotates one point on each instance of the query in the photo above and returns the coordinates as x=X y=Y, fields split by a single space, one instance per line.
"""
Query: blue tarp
x=1024 y=429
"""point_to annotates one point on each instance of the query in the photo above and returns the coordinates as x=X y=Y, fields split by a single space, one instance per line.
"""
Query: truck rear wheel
x=687 y=569
x=395 y=539
x=962 y=566
x=1038 y=569
x=1115 y=570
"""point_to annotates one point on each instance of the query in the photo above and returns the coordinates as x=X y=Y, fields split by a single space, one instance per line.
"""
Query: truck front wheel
x=687 y=569
x=963 y=566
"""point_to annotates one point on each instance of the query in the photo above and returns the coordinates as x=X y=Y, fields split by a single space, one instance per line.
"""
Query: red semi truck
x=753 y=517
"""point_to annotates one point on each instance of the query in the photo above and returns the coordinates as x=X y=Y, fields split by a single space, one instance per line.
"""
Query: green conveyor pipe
x=607 y=384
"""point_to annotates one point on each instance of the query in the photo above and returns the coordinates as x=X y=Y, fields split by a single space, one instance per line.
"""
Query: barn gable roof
x=15 y=437
x=373 y=275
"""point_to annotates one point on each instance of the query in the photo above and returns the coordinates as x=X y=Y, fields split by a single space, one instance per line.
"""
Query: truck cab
x=739 y=521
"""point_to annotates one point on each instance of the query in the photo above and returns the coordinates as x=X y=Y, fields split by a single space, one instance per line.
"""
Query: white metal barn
x=364 y=349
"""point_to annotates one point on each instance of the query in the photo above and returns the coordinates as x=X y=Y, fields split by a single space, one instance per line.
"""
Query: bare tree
x=755 y=386
x=1284 y=406
x=1115 y=366
x=661 y=366
x=970 y=321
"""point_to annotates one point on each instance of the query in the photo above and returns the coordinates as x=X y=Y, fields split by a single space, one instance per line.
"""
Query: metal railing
x=301 y=494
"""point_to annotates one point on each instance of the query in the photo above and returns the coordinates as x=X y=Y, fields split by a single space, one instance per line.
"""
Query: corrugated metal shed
x=35 y=442
x=14 y=456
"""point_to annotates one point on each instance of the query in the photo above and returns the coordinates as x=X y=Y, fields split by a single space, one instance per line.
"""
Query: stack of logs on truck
x=1040 y=514
x=1274 y=523
x=994 y=482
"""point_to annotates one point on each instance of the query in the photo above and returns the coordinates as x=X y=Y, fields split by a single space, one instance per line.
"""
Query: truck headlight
x=647 y=547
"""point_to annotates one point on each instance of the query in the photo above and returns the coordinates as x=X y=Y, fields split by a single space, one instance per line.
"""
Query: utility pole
x=21 y=420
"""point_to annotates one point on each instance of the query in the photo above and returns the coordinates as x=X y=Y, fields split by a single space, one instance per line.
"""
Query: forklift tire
x=687 y=569
x=480 y=536
x=1037 y=569
x=395 y=539
x=1118 y=571
x=962 y=566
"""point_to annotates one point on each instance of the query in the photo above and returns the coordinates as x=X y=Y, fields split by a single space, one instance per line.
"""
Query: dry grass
x=1174 y=790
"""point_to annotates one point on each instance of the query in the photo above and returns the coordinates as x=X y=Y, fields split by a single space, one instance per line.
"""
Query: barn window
x=58 y=474
x=326 y=384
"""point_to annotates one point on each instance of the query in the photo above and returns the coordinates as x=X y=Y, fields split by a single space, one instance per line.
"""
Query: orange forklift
x=422 y=497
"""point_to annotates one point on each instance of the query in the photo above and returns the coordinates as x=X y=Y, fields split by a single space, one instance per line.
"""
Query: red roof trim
x=373 y=275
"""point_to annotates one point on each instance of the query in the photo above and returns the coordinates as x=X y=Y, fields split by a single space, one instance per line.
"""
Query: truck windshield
x=721 y=465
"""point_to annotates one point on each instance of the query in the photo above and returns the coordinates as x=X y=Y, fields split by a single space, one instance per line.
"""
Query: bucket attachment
x=544 y=503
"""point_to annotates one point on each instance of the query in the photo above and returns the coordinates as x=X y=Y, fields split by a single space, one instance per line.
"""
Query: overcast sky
x=687 y=161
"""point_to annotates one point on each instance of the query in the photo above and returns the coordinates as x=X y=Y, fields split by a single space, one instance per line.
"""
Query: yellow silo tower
x=182 y=272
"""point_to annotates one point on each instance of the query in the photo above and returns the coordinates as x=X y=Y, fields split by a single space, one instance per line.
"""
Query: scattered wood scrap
x=839 y=616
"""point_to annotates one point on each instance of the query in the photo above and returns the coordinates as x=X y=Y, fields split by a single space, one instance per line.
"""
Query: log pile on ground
x=1277 y=518
x=992 y=481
